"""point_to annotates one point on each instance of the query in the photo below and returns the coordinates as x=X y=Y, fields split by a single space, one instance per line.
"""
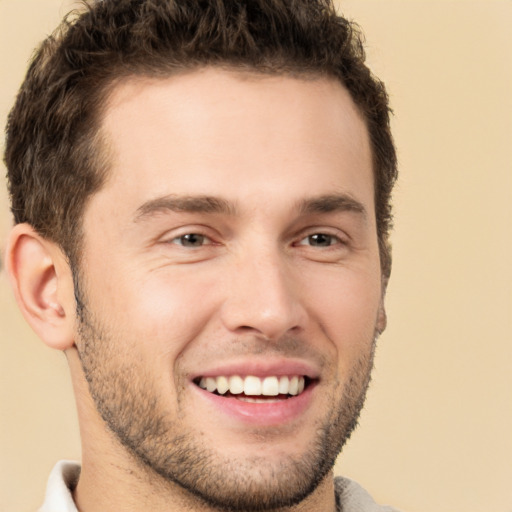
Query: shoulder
x=351 y=497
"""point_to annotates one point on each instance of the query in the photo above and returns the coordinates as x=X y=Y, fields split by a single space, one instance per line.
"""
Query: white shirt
x=62 y=481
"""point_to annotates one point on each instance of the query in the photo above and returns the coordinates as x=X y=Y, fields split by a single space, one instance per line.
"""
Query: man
x=201 y=193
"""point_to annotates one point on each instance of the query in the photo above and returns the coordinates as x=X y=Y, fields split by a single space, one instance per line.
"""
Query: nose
x=262 y=297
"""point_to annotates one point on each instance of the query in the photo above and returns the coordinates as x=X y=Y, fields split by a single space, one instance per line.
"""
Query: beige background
x=436 y=435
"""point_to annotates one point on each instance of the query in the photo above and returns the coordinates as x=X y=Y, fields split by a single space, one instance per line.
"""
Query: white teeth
x=284 y=382
x=270 y=386
x=211 y=384
x=254 y=386
x=236 y=385
x=222 y=385
x=293 y=387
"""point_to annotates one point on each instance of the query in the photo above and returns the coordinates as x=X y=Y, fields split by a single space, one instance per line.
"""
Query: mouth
x=254 y=389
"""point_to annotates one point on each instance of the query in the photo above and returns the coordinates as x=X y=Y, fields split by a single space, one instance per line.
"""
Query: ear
x=43 y=285
x=382 y=318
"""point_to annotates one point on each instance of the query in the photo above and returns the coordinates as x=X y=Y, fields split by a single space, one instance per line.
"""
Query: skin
x=286 y=159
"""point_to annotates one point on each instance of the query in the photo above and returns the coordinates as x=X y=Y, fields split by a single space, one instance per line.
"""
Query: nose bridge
x=262 y=296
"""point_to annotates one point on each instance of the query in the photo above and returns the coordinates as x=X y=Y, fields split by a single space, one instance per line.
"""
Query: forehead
x=233 y=134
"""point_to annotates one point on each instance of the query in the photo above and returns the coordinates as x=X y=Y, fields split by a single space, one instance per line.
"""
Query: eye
x=191 y=240
x=320 y=240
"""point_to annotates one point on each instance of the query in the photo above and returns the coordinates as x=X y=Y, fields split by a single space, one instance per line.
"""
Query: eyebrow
x=331 y=203
x=189 y=204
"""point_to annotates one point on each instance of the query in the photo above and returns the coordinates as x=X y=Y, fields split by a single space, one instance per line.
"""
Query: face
x=230 y=282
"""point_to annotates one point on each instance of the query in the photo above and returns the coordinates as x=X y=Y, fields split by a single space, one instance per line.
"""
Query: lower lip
x=271 y=414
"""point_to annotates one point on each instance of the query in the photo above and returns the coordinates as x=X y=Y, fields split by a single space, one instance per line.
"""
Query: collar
x=61 y=483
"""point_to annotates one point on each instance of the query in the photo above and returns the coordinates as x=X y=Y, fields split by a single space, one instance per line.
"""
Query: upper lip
x=261 y=368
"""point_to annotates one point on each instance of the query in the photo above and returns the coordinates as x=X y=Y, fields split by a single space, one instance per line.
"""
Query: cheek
x=346 y=305
x=161 y=314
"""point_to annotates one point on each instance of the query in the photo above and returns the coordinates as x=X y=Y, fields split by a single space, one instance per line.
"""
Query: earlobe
x=42 y=284
x=382 y=318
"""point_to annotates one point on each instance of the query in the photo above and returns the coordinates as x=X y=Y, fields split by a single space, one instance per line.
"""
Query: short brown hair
x=53 y=151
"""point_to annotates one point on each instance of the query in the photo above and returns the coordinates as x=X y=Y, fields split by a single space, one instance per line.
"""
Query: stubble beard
x=126 y=399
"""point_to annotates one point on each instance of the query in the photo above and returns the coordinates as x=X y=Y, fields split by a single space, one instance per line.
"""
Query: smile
x=243 y=388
